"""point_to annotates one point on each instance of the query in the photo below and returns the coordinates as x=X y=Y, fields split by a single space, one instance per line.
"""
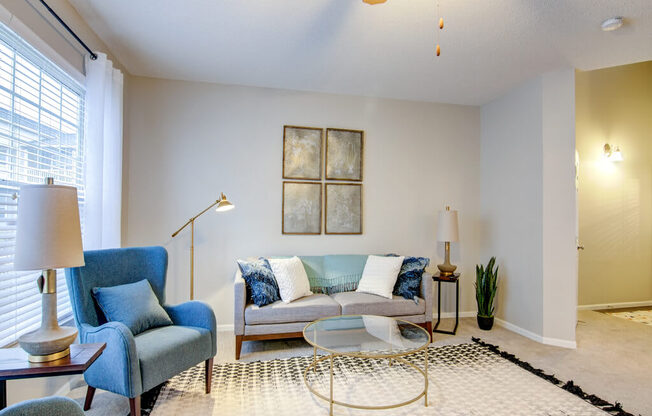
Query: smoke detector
x=612 y=23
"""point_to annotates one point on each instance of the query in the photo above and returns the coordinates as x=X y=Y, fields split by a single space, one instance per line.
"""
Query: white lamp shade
x=447 y=229
x=48 y=234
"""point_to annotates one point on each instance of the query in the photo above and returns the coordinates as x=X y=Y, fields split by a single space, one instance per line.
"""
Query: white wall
x=559 y=209
x=188 y=141
x=512 y=185
x=528 y=202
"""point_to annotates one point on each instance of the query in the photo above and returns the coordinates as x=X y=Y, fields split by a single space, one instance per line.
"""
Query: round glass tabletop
x=366 y=335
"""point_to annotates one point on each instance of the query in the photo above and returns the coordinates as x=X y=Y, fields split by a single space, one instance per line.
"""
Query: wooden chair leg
x=208 y=373
x=134 y=406
x=238 y=346
x=90 y=393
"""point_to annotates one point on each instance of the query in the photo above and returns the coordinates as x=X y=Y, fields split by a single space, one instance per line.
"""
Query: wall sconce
x=612 y=154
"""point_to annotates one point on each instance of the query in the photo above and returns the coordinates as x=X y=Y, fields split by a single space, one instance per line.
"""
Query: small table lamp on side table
x=48 y=237
x=447 y=231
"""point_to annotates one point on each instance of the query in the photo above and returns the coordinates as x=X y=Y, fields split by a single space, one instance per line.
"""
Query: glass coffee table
x=366 y=337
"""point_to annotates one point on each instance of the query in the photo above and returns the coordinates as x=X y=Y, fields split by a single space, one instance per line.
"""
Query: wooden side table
x=455 y=278
x=14 y=365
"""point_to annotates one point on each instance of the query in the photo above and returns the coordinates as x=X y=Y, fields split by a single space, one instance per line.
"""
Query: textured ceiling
x=387 y=50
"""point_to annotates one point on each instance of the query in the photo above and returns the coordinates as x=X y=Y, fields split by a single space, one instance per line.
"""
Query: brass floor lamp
x=223 y=204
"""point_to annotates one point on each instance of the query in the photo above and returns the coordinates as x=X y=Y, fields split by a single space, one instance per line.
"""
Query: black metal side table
x=455 y=278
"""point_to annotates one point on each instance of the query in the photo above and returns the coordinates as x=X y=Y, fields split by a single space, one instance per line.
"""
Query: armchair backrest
x=114 y=267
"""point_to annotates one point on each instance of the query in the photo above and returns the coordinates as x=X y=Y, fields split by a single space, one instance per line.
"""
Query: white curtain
x=103 y=150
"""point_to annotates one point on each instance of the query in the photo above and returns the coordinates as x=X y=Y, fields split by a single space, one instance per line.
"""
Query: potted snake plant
x=486 y=284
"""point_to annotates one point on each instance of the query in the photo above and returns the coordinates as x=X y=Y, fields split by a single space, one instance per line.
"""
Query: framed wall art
x=343 y=208
x=344 y=150
x=301 y=209
x=302 y=148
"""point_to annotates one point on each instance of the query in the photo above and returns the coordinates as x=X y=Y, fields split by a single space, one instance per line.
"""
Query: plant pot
x=485 y=322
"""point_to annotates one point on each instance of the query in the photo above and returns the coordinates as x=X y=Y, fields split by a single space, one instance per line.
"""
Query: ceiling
x=386 y=50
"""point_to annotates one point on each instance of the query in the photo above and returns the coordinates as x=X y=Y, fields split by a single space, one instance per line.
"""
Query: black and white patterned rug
x=465 y=379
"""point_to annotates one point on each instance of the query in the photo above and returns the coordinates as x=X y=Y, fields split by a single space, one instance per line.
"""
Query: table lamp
x=48 y=237
x=223 y=205
x=447 y=231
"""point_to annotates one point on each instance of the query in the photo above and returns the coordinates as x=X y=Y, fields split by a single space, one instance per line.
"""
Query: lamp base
x=49 y=357
x=446 y=270
x=48 y=344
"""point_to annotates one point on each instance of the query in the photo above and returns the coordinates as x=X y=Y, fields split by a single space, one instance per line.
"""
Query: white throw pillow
x=291 y=278
x=379 y=275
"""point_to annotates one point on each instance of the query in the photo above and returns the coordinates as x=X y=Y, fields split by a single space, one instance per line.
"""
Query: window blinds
x=41 y=135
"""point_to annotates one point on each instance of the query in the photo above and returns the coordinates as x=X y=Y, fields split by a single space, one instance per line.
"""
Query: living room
x=467 y=105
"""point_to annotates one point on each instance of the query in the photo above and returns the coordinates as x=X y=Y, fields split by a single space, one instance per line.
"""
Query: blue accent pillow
x=408 y=282
x=260 y=281
x=133 y=304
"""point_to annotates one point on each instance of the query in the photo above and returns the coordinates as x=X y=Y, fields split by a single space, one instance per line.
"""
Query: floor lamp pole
x=192 y=260
x=223 y=204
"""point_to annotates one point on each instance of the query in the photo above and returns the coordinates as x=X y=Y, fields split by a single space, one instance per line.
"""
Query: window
x=41 y=135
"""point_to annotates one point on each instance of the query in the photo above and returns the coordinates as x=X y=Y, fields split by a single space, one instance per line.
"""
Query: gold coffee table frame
x=394 y=356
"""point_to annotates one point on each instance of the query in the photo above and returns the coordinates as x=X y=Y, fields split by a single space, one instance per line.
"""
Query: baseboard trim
x=617 y=305
x=446 y=315
x=225 y=327
x=556 y=342
x=67 y=386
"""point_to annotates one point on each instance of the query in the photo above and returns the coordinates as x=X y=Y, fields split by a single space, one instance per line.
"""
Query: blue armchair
x=51 y=406
x=132 y=365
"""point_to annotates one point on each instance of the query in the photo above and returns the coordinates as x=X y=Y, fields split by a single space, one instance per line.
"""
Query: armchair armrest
x=51 y=406
x=239 y=303
x=117 y=369
x=427 y=295
x=195 y=313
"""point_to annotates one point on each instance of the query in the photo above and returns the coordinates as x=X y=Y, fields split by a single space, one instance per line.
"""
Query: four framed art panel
x=302 y=196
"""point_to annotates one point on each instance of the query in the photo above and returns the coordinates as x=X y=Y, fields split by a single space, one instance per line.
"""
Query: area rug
x=465 y=379
x=643 y=316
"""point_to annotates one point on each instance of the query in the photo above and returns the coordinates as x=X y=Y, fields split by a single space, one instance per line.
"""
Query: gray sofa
x=327 y=274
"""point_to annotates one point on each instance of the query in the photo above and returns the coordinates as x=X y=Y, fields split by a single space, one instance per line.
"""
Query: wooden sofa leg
x=134 y=406
x=90 y=393
x=209 y=374
x=238 y=346
x=429 y=329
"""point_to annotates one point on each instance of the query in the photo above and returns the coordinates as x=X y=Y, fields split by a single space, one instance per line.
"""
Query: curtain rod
x=81 y=42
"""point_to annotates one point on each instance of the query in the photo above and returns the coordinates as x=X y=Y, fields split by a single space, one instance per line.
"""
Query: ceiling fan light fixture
x=612 y=24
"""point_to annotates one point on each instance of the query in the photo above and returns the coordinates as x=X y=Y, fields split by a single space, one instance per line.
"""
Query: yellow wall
x=614 y=105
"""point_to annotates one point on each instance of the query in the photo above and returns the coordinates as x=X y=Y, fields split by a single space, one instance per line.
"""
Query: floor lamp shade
x=48 y=234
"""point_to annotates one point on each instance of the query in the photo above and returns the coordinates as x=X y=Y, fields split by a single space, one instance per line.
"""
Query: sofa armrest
x=427 y=295
x=117 y=369
x=195 y=313
x=239 y=303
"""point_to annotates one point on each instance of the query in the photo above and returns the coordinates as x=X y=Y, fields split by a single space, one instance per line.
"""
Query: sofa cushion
x=165 y=352
x=408 y=282
x=305 y=309
x=355 y=303
x=261 y=283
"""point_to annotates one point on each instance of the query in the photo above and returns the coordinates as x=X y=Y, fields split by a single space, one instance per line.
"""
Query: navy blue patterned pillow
x=260 y=281
x=408 y=283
